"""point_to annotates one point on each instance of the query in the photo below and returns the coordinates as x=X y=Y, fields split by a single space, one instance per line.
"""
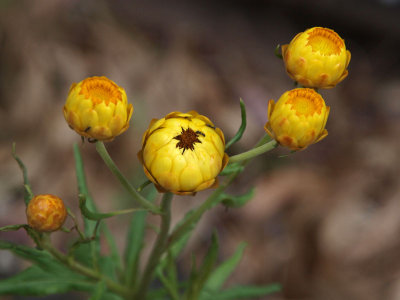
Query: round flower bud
x=183 y=153
x=298 y=119
x=317 y=58
x=98 y=109
x=46 y=213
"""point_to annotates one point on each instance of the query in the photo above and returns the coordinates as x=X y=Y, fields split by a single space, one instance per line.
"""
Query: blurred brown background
x=325 y=222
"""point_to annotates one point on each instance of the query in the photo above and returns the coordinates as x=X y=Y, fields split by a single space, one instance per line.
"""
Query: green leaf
x=28 y=190
x=232 y=168
x=42 y=258
x=201 y=276
x=237 y=201
x=221 y=274
x=135 y=238
x=36 y=282
x=98 y=291
x=242 y=127
x=278 y=52
x=83 y=189
x=107 y=267
x=242 y=292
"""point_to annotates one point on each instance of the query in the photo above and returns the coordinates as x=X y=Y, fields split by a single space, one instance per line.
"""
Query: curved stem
x=158 y=247
x=253 y=152
x=101 y=149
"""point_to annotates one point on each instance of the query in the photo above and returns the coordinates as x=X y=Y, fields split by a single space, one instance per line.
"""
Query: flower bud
x=46 y=213
x=317 y=58
x=98 y=109
x=298 y=119
x=183 y=153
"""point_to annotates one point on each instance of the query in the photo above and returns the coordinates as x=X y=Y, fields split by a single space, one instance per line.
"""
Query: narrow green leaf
x=221 y=274
x=278 y=52
x=98 y=291
x=83 y=189
x=169 y=286
x=242 y=127
x=204 y=271
x=232 y=168
x=42 y=258
x=28 y=190
x=243 y=292
x=135 y=238
x=36 y=282
x=237 y=201
x=106 y=265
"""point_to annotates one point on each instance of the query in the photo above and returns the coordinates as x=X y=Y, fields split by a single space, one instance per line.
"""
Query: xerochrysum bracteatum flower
x=298 y=119
x=316 y=58
x=98 y=109
x=46 y=213
x=183 y=153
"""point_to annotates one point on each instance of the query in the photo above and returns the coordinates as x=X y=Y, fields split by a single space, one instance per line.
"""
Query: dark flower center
x=187 y=139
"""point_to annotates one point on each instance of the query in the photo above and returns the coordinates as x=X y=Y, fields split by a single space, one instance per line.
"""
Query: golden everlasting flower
x=46 y=213
x=298 y=119
x=98 y=109
x=317 y=58
x=183 y=153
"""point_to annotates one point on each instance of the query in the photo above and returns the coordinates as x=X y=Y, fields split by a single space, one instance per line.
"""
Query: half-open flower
x=298 y=119
x=98 y=109
x=316 y=58
x=46 y=213
x=183 y=153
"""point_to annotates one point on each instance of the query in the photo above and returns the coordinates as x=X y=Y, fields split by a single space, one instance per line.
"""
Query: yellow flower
x=317 y=58
x=298 y=119
x=183 y=153
x=98 y=109
x=46 y=213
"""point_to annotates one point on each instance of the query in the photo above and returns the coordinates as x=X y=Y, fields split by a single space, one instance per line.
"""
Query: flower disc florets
x=183 y=153
x=98 y=109
x=316 y=58
x=298 y=119
x=46 y=213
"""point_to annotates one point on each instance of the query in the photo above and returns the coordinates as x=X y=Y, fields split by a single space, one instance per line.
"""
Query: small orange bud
x=46 y=213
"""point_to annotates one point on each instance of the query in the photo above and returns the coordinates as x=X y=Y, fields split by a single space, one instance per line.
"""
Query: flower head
x=317 y=58
x=97 y=108
x=46 y=213
x=298 y=119
x=183 y=153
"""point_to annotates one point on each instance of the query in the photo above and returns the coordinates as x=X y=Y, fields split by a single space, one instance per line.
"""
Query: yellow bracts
x=298 y=119
x=183 y=153
x=98 y=109
x=316 y=58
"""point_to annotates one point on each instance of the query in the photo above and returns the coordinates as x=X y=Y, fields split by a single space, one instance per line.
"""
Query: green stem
x=75 y=266
x=196 y=215
x=101 y=149
x=253 y=152
x=158 y=247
